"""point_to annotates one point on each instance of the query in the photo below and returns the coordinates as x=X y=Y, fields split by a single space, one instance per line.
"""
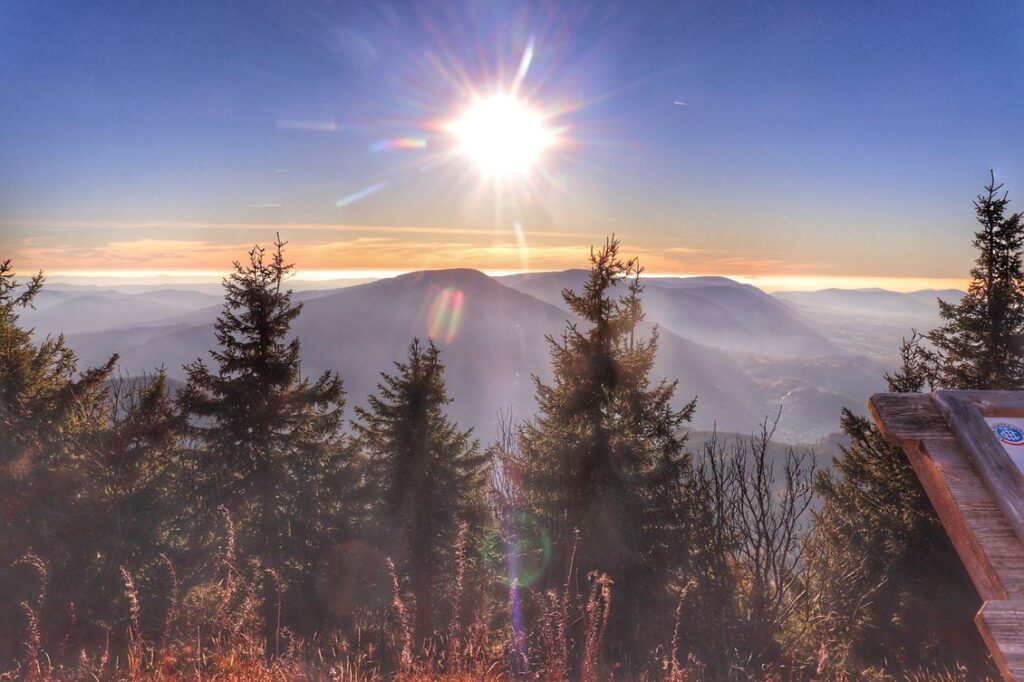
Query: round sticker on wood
x=1008 y=434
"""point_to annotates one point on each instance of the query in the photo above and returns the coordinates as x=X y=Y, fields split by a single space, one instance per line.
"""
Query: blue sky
x=818 y=138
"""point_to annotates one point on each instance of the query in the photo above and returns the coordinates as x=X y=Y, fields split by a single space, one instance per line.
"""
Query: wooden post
x=978 y=494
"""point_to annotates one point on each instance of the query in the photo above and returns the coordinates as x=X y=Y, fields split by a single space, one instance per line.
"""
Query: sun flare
x=502 y=135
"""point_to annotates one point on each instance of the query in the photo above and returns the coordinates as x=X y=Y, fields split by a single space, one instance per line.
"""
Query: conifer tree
x=605 y=457
x=44 y=407
x=909 y=602
x=981 y=343
x=127 y=489
x=894 y=593
x=267 y=443
x=47 y=412
x=427 y=476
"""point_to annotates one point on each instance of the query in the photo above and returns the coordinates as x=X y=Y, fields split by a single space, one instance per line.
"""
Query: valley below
x=743 y=353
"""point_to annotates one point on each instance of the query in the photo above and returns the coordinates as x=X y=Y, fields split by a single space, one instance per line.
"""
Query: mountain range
x=743 y=353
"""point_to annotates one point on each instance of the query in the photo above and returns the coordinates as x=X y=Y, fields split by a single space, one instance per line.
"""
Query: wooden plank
x=969 y=509
x=1000 y=625
x=993 y=403
x=986 y=543
x=908 y=417
x=977 y=526
x=990 y=460
x=970 y=516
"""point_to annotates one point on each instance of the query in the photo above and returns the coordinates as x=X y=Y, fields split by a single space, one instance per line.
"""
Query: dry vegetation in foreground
x=656 y=563
x=225 y=636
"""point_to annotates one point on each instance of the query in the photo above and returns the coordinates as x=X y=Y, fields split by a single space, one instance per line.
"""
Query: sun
x=502 y=135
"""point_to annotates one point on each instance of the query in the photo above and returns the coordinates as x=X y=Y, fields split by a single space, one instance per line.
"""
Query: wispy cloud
x=377 y=252
x=137 y=254
x=319 y=246
x=391 y=251
x=283 y=227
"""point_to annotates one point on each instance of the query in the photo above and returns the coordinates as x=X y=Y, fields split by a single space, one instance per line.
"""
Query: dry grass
x=220 y=635
x=224 y=642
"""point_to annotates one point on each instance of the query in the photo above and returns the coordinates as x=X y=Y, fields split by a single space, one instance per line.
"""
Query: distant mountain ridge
x=716 y=311
x=742 y=352
x=873 y=301
x=869 y=322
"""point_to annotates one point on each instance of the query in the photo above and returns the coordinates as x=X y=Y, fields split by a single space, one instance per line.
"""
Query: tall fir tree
x=894 y=595
x=910 y=602
x=604 y=457
x=427 y=476
x=48 y=414
x=127 y=491
x=981 y=343
x=267 y=443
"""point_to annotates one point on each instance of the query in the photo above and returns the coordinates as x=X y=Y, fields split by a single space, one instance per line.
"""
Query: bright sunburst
x=502 y=135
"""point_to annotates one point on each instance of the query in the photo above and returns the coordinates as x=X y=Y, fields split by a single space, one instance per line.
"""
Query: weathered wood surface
x=914 y=414
x=987 y=546
x=985 y=540
x=1000 y=625
x=908 y=417
x=989 y=458
x=983 y=536
x=993 y=403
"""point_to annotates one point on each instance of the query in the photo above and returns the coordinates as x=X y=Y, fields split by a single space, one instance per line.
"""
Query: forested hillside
x=267 y=516
x=744 y=352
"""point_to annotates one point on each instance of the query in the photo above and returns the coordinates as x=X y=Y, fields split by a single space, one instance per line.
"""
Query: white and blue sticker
x=1010 y=433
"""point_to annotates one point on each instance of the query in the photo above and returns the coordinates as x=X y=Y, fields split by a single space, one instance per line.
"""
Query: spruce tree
x=909 y=601
x=981 y=343
x=46 y=406
x=604 y=458
x=48 y=413
x=893 y=592
x=127 y=493
x=427 y=476
x=267 y=442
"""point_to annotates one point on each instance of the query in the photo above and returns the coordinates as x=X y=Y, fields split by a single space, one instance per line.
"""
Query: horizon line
x=768 y=283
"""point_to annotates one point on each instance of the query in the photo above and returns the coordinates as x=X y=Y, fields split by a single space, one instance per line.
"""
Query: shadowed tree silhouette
x=427 y=476
x=48 y=414
x=605 y=456
x=893 y=592
x=981 y=343
x=267 y=443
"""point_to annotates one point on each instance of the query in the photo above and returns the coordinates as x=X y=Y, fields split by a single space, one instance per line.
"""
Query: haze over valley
x=744 y=353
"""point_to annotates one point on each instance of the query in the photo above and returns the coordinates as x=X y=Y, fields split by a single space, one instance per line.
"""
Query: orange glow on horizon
x=377 y=253
x=768 y=283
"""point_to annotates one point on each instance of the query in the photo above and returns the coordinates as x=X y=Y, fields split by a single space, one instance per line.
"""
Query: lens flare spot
x=362 y=194
x=398 y=143
x=445 y=315
x=524 y=250
x=523 y=550
x=524 y=64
